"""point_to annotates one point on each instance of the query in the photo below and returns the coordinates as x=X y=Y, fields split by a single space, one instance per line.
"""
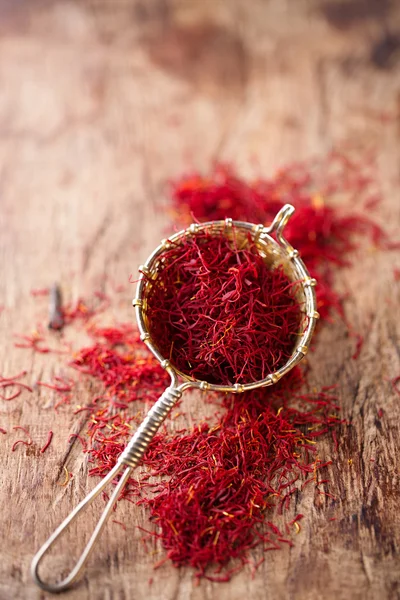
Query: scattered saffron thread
x=78 y=437
x=24 y=429
x=119 y=523
x=15 y=444
x=27 y=442
x=395 y=385
x=48 y=442
x=39 y=292
x=11 y=382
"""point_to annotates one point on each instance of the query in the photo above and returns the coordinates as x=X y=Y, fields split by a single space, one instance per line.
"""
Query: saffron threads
x=48 y=442
x=24 y=429
x=222 y=481
x=359 y=345
x=13 y=377
x=395 y=384
x=324 y=230
x=213 y=491
x=15 y=386
x=119 y=523
x=40 y=292
x=19 y=387
x=219 y=312
x=75 y=436
x=27 y=442
x=83 y=311
x=33 y=341
x=60 y=384
x=214 y=484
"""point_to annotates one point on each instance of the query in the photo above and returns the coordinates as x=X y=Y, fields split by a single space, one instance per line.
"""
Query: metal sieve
x=275 y=251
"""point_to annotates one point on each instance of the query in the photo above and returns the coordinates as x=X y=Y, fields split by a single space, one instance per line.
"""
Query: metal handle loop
x=279 y=223
x=129 y=459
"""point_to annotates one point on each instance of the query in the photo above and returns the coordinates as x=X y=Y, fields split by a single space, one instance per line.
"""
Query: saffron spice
x=13 y=382
x=27 y=442
x=120 y=524
x=40 y=292
x=395 y=384
x=219 y=312
x=60 y=385
x=222 y=480
x=325 y=232
x=48 y=442
x=33 y=341
x=213 y=490
x=74 y=436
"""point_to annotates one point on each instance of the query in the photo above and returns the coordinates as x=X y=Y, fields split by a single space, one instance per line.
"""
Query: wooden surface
x=100 y=103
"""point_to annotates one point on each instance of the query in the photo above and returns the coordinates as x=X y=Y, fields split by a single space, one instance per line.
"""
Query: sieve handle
x=128 y=460
x=279 y=223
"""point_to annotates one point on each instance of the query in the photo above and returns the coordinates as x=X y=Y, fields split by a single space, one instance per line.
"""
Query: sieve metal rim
x=296 y=265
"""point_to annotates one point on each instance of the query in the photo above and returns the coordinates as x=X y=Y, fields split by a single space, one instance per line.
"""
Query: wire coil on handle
x=139 y=443
x=136 y=448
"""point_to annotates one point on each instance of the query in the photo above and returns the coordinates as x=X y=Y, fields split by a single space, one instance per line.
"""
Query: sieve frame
x=296 y=266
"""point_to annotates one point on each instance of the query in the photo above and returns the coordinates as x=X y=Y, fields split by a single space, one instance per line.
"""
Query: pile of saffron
x=219 y=312
x=213 y=490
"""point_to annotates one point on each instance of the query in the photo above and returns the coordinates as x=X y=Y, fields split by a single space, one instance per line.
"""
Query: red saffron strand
x=12 y=396
x=15 y=444
x=40 y=292
x=32 y=342
x=48 y=442
x=24 y=429
x=13 y=377
x=65 y=387
x=359 y=345
x=395 y=384
x=120 y=524
x=10 y=382
x=78 y=437
x=27 y=442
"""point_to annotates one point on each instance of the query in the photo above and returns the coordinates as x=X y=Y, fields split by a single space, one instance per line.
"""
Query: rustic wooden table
x=100 y=103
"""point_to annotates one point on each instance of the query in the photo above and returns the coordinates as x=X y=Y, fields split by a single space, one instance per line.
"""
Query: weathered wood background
x=101 y=101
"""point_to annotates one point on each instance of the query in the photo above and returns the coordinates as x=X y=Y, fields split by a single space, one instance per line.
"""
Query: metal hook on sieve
x=279 y=223
x=139 y=443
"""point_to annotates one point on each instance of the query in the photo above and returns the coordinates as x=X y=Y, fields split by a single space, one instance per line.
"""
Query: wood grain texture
x=100 y=103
